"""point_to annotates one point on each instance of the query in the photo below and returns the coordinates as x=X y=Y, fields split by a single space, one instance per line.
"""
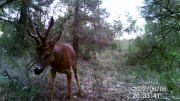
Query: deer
x=60 y=56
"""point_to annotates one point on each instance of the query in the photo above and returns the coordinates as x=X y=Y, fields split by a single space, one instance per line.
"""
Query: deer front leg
x=53 y=74
x=69 y=77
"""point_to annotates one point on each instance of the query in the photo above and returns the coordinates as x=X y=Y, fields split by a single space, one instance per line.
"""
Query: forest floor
x=98 y=83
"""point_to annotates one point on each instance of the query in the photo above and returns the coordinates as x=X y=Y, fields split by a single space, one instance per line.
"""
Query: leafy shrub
x=20 y=86
x=133 y=58
x=171 y=80
x=15 y=91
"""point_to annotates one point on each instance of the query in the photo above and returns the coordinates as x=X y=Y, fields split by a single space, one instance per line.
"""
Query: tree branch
x=9 y=21
x=154 y=47
x=6 y=20
x=7 y=2
x=10 y=77
x=169 y=10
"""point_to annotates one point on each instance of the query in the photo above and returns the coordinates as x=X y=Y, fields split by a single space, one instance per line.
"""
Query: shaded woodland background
x=107 y=67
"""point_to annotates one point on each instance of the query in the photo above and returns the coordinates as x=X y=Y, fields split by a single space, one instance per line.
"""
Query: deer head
x=44 y=48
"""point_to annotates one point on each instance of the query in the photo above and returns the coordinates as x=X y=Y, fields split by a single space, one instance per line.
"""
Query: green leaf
x=32 y=98
x=22 y=96
x=1 y=79
x=24 y=88
x=18 y=61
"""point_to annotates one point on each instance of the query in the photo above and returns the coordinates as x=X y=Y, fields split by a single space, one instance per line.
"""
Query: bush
x=171 y=80
x=15 y=81
x=134 y=58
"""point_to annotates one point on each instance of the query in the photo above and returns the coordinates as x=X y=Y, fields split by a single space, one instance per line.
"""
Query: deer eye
x=47 y=56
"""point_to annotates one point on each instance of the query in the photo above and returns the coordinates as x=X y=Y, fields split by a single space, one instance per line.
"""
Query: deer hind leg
x=69 y=77
x=75 y=72
x=53 y=74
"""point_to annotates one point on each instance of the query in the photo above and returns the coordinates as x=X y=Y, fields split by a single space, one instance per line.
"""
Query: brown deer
x=61 y=57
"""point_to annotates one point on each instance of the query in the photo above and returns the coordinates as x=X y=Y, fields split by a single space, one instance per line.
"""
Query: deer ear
x=55 y=39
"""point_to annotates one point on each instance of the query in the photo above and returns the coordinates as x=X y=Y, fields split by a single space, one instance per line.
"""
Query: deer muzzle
x=38 y=71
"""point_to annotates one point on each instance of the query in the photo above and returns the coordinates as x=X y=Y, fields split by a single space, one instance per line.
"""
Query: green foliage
x=132 y=27
x=113 y=45
x=138 y=75
x=117 y=27
x=132 y=59
x=171 y=80
x=62 y=19
x=14 y=91
x=20 y=85
x=9 y=48
x=156 y=52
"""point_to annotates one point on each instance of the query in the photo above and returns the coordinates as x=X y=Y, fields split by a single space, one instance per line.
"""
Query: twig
x=30 y=63
x=167 y=8
x=10 y=77
x=96 y=81
x=44 y=73
x=95 y=78
x=6 y=20
x=9 y=21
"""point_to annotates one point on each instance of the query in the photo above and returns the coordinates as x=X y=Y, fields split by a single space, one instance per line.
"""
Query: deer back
x=63 y=57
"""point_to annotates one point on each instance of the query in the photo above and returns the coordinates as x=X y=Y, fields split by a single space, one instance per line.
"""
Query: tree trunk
x=76 y=28
x=21 y=28
x=22 y=22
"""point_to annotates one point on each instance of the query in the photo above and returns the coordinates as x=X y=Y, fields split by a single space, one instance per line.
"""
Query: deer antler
x=51 y=22
x=43 y=39
x=33 y=26
x=38 y=35
x=35 y=32
x=35 y=37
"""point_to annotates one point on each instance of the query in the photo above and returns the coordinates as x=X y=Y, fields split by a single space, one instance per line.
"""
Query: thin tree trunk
x=76 y=28
x=22 y=20
x=20 y=28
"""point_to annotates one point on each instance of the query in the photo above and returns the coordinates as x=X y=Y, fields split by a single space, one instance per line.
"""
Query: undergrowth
x=140 y=76
x=16 y=82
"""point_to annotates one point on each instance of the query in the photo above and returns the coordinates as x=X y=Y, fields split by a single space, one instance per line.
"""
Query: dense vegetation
x=111 y=66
